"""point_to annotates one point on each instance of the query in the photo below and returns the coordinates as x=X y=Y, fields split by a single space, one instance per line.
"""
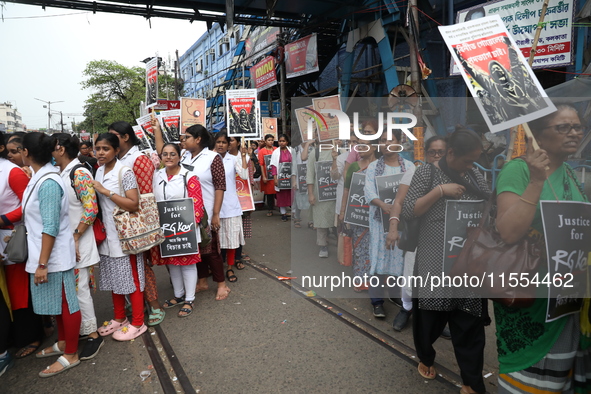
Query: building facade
x=11 y=118
x=204 y=65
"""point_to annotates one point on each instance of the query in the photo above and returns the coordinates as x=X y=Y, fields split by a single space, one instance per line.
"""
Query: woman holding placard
x=281 y=155
x=173 y=182
x=360 y=236
x=384 y=262
x=209 y=167
x=231 y=232
x=267 y=184
x=452 y=177
x=535 y=355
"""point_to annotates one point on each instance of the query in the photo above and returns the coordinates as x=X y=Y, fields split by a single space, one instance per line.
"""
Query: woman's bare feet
x=223 y=291
x=202 y=285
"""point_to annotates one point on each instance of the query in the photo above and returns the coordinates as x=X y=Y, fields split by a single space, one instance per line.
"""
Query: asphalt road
x=265 y=338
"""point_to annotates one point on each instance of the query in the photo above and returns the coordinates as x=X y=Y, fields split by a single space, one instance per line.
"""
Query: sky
x=44 y=57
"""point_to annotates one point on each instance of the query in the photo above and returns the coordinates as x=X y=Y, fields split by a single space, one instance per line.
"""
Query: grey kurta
x=323 y=213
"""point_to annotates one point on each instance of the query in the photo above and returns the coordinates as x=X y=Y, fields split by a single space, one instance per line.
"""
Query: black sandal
x=231 y=278
x=186 y=311
x=169 y=303
x=239 y=265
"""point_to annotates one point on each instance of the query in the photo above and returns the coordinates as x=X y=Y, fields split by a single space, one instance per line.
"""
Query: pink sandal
x=129 y=332
x=110 y=327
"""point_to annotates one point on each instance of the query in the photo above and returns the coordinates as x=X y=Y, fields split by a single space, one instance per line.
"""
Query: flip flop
x=65 y=364
x=31 y=347
x=245 y=257
x=231 y=277
x=56 y=352
x=426 y=375
x=270 y=213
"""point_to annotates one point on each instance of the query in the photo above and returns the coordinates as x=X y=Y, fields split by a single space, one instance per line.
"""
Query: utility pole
x=176 y=82
x=282 y=87
x=415 y=70
x=62 y=121
x=48 y=111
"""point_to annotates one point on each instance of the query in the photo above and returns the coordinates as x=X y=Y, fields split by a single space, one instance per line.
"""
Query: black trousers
x=467 y=336
x=4 y=324
x=27 y=326
x=270 y=201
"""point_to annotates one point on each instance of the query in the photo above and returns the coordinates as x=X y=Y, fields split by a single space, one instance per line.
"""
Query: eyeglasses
x=433 y=152
x=169 y=154
x=564 y=128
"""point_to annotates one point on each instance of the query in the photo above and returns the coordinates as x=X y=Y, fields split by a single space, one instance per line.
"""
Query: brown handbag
x=486 y=256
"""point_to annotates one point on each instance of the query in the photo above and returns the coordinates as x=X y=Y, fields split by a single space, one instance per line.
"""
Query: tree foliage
x=116 y=93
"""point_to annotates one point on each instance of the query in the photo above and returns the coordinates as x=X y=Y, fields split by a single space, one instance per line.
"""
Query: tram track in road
x=171 y=374
x=404 y=352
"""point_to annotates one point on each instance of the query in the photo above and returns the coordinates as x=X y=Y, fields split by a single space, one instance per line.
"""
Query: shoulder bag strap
x=29 y=196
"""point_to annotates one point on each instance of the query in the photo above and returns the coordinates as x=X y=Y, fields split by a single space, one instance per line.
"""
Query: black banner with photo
x=327 y=188
x=284 y=176
x=459 y=215
x=302 y=184
x=177 y=219
x=567 y=229
x=357 y=209
x=387 y=186
x=268 y=167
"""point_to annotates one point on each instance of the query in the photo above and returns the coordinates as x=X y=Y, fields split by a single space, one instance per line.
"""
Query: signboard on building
x=260 y=40
x=301 y=57
x=521 y=18
x=263 y=74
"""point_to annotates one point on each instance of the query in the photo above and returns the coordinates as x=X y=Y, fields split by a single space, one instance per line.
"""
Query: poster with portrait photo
x=192 y=112
x=243 y=113
x=145 y=122
x=144 y=145
x=152 y=82
x=170 y=125
x=269 y=127
x=505 y=88
x=328 y=126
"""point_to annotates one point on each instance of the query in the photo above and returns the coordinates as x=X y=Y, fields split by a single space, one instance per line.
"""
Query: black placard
x=387 y=186
x=327 y=188
x=302 y=183
x=357 y=209
x=567 y=231
x=459 y=215
x=268 y=166
x=177 y=219
x=284 y=174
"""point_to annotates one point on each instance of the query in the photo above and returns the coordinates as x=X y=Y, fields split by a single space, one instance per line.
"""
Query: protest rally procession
x=315 y=196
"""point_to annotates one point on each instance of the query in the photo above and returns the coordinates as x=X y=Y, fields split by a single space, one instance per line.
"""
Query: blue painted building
x=204 y=65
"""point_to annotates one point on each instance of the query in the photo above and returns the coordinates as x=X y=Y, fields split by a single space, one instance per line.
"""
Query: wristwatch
x=42 y=266
x=111 y=194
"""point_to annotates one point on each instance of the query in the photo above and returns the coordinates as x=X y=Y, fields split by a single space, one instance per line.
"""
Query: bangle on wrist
x=42 y=266
x=441 y=190
x=528 y=202
x=394 y=218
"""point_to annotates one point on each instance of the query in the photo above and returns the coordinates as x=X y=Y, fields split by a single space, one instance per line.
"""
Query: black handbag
x=17 y=248
x=409 y=228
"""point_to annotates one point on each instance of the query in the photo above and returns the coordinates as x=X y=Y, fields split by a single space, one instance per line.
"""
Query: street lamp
x=48 y=106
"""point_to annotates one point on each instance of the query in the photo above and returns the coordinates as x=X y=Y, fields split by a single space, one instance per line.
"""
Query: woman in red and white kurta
x=174 y=182
x=143 y=169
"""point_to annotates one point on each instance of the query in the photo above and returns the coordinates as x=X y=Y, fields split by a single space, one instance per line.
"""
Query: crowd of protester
x=80 y=182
